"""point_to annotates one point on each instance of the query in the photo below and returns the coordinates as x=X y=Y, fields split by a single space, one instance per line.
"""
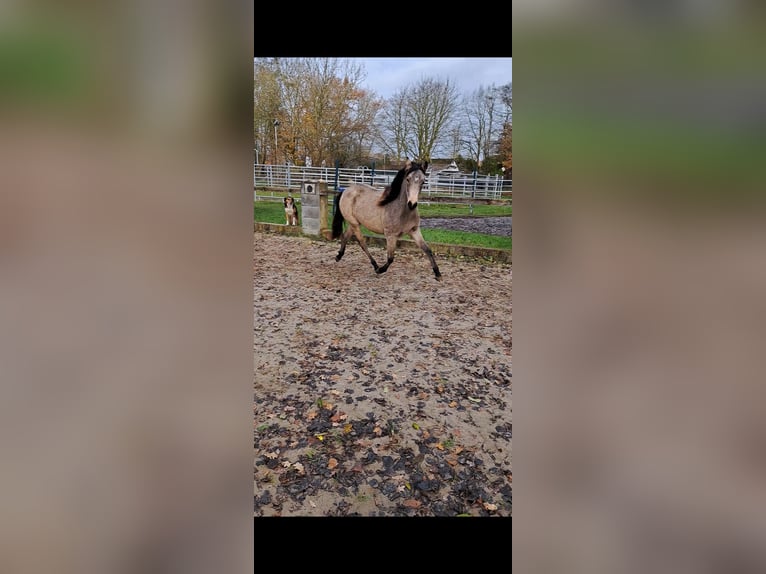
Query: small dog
x=291 y=211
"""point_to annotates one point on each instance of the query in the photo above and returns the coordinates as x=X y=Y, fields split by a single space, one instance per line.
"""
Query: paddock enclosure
x=379 y=394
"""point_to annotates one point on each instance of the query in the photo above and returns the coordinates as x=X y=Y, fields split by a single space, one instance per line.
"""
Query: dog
x=291 y=211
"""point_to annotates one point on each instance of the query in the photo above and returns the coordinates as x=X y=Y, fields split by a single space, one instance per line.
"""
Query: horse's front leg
x=391 y=241
x=418 y=238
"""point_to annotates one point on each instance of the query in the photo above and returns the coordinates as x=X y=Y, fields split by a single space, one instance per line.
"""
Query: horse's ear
x=425 y=167
x=407 y=164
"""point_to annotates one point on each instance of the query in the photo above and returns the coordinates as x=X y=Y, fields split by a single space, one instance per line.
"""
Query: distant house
x=451 y=168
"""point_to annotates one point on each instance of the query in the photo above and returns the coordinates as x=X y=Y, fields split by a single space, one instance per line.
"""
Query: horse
x=391 y=213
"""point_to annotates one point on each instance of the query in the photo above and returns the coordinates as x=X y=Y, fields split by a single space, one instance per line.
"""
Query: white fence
x=289 y=177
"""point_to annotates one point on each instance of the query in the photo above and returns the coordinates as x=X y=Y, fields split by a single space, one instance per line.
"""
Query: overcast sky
x=388 y=75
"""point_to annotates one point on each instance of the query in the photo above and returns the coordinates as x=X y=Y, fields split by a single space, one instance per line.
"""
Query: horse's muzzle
x=412 y=205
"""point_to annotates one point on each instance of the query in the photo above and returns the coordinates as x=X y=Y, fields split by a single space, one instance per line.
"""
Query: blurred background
x=638 y=303
x=126 y=291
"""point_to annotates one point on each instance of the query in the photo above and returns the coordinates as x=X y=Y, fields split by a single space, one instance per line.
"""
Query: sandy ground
x=380 y=395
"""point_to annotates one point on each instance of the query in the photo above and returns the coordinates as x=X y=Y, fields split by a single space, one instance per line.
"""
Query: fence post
x=314 y=207
x=337 y=173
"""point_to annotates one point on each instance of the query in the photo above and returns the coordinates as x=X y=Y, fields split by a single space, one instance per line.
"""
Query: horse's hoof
x=438 y=277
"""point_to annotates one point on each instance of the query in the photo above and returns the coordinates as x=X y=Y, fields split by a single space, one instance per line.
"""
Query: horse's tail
x=337 y=220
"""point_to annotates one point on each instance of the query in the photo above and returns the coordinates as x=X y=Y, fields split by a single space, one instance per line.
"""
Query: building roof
x=451 y=168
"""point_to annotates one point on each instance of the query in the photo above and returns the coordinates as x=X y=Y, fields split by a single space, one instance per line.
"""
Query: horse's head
x=415 y=177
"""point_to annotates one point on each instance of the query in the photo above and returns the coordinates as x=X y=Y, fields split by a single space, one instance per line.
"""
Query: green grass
x=457 y=238
x=269 y=211
x=466 y=238
x=464 y=210
x=273 y=212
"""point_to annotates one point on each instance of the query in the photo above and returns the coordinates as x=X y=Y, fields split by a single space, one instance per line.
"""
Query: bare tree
x=506 y=97
x=430 y=105
x=482 y=125
x=366 y=131
x=393 y=133
x=455 y=140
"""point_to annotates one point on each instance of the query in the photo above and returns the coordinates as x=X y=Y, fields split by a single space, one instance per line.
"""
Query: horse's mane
x=391 y=192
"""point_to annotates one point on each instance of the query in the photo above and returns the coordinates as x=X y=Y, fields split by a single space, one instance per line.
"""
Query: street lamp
x=276 y=124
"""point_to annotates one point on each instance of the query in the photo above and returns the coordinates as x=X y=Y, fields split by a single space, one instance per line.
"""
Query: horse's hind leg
x=356 y=231
x=363 y=244
x=391 y=242
x=343 y=241
x=418 y=238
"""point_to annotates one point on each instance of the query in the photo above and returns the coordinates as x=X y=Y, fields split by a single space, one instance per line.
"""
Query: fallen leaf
x=377 y=430
x=440 y=446
x=287 y=464
x=488 y=506
x=311 y=415
x=328 y=406
x=271 y=455
x=299 y=467
x=312 y=503
x=332 y=463
x=415 y=426
x=347 y=428
x=411 y=503
x=453 y=404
